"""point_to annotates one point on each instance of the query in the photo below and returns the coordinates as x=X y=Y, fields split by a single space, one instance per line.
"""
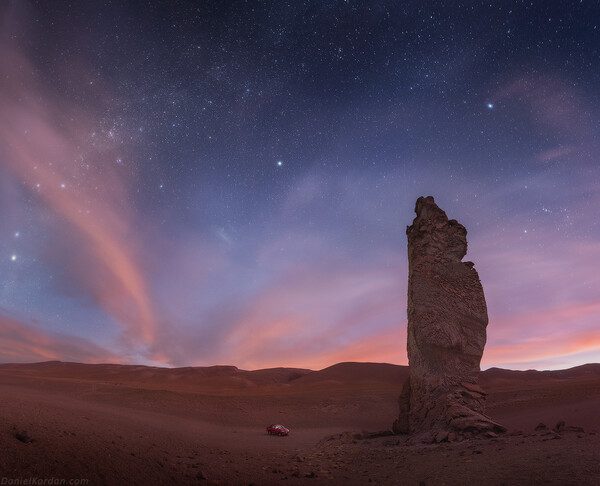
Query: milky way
x=199 y=183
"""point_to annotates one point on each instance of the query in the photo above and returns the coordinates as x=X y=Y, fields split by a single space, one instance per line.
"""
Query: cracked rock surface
x=447 y=320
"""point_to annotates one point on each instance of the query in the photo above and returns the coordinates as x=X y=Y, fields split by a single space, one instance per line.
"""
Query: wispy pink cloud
x=555 y=153
x=311 y=318
x=543 y=349
x=52 y=147
x=379 y=347
x=554 y=103
x=22 y=342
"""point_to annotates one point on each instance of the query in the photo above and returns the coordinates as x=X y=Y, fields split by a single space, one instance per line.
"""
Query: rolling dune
x=117 y=424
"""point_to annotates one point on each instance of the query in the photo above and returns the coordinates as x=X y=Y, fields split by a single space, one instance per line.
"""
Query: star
x=13 y=258
x=490 y=105
x=280 y=163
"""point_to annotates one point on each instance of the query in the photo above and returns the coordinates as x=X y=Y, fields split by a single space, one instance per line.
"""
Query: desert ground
x=117 y=425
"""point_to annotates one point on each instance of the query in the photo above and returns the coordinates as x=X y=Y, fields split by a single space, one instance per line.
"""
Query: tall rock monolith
x=447 y=320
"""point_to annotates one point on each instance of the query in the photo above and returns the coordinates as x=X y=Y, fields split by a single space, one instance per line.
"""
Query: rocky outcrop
x=447 y=320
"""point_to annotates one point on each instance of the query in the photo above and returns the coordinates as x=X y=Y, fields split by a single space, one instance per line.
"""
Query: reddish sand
x=113 y=424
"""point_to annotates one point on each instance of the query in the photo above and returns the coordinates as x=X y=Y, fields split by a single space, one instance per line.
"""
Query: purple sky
x=226 y=185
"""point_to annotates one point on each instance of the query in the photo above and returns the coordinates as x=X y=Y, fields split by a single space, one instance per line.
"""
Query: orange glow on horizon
x=22 y=342
x=554 y=344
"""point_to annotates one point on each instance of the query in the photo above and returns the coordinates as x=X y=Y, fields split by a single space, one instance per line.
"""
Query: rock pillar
x=447 y=320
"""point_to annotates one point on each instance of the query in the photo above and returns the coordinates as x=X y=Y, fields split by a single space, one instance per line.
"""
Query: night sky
x=229 y=182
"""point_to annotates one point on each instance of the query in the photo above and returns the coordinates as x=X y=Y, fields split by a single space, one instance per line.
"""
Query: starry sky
x=189 y=183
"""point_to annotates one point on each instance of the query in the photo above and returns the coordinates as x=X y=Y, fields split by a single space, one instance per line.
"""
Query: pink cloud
x=21 y=342
x=310 y=319
x=61 y=156
x=569 y=330
x=556 y=104
x=380 y=347
x=553 y=102
x=555 y=153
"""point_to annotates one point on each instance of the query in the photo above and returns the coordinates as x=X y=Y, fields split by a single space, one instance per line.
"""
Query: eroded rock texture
x=447 y=320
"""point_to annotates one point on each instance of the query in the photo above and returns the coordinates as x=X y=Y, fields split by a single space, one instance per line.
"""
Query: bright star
x=17 y=234
x=13 y=258
x=279 y=163
x=490 y=105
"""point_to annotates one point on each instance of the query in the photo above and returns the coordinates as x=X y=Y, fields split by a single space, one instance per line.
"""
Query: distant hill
x=352 y=372
x=231 y=377
x=194 y=377
x=498 y=376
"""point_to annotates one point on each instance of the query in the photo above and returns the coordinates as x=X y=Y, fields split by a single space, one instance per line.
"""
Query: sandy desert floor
x=117 y=425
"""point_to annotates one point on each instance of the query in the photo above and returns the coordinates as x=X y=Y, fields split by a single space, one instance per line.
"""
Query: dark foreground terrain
x=114 y=424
